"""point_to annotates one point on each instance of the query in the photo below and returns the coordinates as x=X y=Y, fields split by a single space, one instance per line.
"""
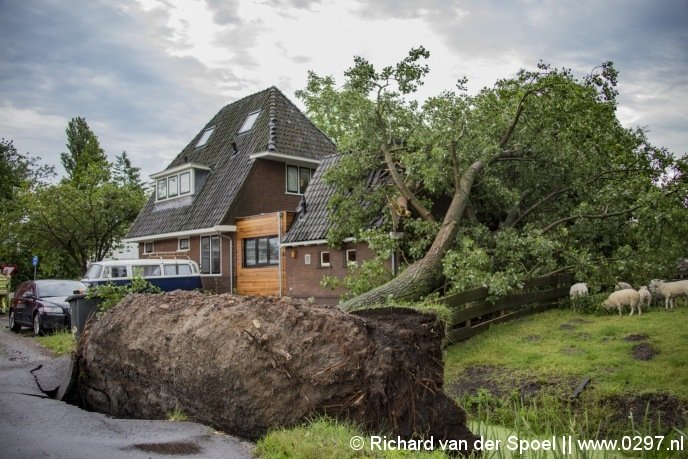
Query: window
x=307 y=259
x=115 y=272
x=185 y=183
x=172 y=189
x=205 y=136
x=174 y=186
x=298 y=178
x=184 y=244
x=162 y=189
x=249 y=122
x=210 y=255
x=261 y=251
x=148 y=247
x=351 y=257
x=177 y=270
x=145 y=270
x=325 y=259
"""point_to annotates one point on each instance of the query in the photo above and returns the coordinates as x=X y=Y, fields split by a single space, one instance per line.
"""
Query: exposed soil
x=659 y=409
x=636 y=337
x=503 y=383
x=643 y=351
x=663 y=410
x=247 y=365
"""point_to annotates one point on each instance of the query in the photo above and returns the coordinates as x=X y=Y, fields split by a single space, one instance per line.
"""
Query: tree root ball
x=247 y=365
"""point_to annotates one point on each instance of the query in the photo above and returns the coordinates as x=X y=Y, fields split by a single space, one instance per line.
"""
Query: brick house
x=307 y=257
x=228 y=197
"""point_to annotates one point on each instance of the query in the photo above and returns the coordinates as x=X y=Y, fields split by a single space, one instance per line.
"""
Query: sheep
x=622 y=298
x=672 y=290
x=622 y=286
x=657 y=297
x=578 y=290
x=645 y=296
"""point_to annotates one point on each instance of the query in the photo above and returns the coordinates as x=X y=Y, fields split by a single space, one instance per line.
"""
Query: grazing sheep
x=622 y=286
x=657 y=297
x=621 y=298
x=577 y=290
x=645 y=296
x=672 y=290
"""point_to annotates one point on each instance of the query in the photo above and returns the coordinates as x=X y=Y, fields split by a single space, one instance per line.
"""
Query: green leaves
x=564 y=185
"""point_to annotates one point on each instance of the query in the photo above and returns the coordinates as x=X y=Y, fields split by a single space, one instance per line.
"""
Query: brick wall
x=303 y=280
x=168 y=248
x=264 y=191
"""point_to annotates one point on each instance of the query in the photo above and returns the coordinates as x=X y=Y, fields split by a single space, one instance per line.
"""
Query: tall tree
x=124 y=173
x=531 y=176
x=84 y=216
x=19 y=174
x=84 y=158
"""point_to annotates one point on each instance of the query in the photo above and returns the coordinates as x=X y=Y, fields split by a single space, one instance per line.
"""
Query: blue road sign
x=34 y=260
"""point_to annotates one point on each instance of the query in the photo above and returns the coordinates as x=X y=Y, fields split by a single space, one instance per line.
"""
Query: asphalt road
x=35 y=426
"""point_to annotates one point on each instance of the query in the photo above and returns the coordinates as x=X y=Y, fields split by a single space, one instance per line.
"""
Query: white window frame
x=203 y=140
x=249 y=122
x=307 y=259
x=200 y=254
x=298 y=178
x=179 y=244
x=346 y=258
x=178 y=177
x=145 y=246
x=329 y=256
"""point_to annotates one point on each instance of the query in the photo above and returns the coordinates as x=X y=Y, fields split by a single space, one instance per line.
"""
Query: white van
x=166 y=274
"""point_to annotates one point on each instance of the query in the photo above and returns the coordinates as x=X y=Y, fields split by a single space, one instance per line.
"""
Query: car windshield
x=94 y=271
x=58 y=288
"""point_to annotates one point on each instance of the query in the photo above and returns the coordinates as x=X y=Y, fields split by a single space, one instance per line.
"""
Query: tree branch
x=595 y=216
x=401 y=186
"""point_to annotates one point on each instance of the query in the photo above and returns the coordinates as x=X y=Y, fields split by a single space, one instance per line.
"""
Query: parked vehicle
x=166 y=274
x=41 y=304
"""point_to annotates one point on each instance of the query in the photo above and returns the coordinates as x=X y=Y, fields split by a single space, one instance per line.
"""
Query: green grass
x=177 y=415
x=60 y=342
x=324 y=439
x=557 y=344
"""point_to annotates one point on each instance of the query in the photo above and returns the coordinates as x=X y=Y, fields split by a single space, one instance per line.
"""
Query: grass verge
x=60 y=342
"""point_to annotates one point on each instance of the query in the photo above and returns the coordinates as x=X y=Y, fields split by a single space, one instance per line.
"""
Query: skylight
x=204 y=138
x=250 y=121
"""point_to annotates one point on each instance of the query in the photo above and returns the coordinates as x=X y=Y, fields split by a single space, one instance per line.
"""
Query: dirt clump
x=636 y=337
x=247 y=365
x=643 y=351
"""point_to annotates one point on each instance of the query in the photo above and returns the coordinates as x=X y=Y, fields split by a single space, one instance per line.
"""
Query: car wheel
x=14 y=326
x=37 y=327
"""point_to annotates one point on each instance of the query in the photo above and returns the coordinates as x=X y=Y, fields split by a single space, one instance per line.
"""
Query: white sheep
x=622 y=286
x=621 y=298
x=672 y=290
x=578 y=290
x=657 y=297
x=645 y=296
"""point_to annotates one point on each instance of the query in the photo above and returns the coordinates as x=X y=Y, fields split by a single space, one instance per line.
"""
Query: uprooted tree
x=532 y=176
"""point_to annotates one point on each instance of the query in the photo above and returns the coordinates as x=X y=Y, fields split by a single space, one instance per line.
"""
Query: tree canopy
x=67 y=224
x=531 y=176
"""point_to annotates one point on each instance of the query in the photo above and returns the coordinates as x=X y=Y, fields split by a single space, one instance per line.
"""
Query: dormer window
x=179 y=181
x=249 y=122
x=204 y=138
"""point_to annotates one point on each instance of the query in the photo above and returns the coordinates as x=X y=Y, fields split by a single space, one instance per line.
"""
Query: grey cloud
x=224 y=11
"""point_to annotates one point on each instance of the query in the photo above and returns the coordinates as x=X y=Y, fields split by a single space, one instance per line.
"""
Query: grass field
x=60 y=342
x=516 y=379
x=561 y=344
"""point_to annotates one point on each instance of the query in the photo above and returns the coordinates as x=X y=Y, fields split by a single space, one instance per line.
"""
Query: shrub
x=111 y=294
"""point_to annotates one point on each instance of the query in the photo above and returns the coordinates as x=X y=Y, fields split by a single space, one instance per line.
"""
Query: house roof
x=313 y=220
x=280 y=128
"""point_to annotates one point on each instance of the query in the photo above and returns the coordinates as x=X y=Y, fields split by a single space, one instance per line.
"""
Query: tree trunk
x=423 y=276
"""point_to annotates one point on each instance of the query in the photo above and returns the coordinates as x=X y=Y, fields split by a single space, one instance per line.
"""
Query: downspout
x=279 y=258
x=231 y=262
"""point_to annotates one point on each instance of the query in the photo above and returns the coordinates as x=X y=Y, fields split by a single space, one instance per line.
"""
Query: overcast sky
x=147 y=75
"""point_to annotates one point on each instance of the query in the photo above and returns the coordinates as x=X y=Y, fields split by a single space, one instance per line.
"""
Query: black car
x=41 y=304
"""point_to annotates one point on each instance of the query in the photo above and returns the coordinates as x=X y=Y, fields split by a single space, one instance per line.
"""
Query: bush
x=112 y=294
